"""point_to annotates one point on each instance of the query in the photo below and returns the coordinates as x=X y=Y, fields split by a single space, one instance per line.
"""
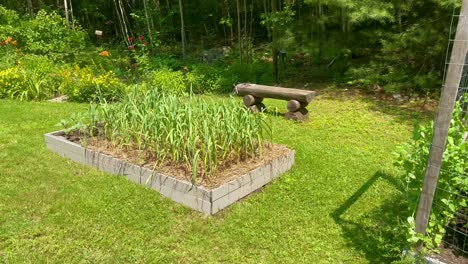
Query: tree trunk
x=246 y=46
x=239 y=31
x=274 y=50
x=124 y=19
x=71 y=13
x=158 y=15
x=182 y=28
x=121 y=22
x=230 y=26
x=30 y=8
x=148 y=23
x=251 y=40
x=169 y=13
x=65 y=4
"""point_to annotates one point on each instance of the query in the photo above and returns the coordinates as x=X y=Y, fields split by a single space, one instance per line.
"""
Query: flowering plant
x=141 y=44
x=104 y=53
x=139 y=52
x=84 y=85
x=8 y=41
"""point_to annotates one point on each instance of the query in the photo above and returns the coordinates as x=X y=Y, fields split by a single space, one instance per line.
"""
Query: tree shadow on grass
x=378 y=234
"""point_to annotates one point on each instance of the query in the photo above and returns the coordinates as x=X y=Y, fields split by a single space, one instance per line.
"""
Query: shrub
x=221 y=78
x=9 y=21
x=50 y=33
x=30 y=78
x=82 y=85
x=8 y=52
x=8 y=17
x=204 y=79
x=255 y=72
x=18 y=83
x=164 y=61
x=167 y=81
x=93 y=58
x=11 y=80
x=452 y=180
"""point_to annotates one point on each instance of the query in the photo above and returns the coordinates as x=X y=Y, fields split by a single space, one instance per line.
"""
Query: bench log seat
x=297 y=99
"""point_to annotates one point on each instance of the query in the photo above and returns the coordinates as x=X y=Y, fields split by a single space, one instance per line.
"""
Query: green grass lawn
x=340 y=203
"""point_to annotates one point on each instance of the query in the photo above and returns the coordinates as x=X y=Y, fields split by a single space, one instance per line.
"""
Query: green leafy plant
x=452 y=192
x=204 y=79
x=167 y=81
x=139 y=53
x=199 y=135
x=49 y=33
x=84 y=85
x=31 y=78
x=9 y=21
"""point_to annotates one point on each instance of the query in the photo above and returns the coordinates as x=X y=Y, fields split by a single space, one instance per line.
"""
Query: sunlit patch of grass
x=339 y=203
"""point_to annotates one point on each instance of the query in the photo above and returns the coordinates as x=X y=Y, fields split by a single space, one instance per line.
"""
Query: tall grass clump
x=202 y=136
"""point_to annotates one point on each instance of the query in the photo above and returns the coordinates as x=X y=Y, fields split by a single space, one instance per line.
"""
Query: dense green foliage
x=399 y=45
x=199 y=135
x=46 y=33
x=45 y=57
x=452 y=194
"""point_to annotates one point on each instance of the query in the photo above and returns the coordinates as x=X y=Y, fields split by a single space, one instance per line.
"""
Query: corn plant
x=203 y=136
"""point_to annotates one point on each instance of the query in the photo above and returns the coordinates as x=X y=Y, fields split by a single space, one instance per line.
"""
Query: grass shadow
x=379 y=238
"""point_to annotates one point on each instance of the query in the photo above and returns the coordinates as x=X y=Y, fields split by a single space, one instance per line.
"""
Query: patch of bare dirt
x=225 y=173
x=59 y=99
x=450 y=256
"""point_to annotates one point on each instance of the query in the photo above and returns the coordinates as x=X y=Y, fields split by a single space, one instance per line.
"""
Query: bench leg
x=254 y=103
x=300 y=115
x=260 y=107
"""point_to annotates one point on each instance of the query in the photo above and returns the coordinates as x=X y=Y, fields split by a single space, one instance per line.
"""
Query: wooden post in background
x=442 y=124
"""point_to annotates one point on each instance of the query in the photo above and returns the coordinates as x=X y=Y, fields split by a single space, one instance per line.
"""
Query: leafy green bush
x=9 y=21
x=83 y=85
x=411 y=61
x=30 y=78
x=103 y=60
x=50 y=33
x=11 y=80
x=167 y=81
x=453 y=180
x=255 y=72
x=204 y=79
x=221 y=78
x=8 y=52
x=18 y=83
x=46 y=33
x=164 y=61
x=8 y=17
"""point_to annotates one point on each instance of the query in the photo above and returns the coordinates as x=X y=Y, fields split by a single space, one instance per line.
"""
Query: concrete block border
x=195 y=197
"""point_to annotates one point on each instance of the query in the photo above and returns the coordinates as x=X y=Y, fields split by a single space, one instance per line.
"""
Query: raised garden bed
x=208 y=199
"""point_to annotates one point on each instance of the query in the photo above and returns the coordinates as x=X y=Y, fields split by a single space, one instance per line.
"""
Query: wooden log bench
x=297 y=99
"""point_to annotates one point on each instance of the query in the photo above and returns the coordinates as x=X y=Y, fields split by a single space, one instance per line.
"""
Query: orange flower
x=8 y=40
x=104 y=53
x=14 y=42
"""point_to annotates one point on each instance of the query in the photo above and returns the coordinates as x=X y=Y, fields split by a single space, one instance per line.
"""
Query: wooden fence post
x=442 y=124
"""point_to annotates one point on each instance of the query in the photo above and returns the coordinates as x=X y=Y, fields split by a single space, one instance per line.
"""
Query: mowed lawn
x=340 y=203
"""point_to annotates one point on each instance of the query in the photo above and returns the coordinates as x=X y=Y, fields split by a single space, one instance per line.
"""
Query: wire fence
x=451 y=194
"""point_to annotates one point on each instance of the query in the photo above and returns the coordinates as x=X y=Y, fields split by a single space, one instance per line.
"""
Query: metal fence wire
x=456 y=236
x=456 y=230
